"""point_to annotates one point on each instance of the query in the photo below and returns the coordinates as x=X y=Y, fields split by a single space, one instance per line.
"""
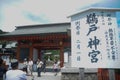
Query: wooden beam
x=35 y=37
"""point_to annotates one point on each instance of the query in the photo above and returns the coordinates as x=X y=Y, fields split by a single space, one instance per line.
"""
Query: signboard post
x=95 y=40
x=81 y=74
x=111 y=74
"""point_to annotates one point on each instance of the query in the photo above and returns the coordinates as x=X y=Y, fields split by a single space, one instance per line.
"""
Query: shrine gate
x=32 y=39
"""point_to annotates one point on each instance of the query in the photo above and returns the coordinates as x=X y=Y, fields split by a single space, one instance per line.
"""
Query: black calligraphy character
x=77 y=23
x=91 y=18
x=93 y=56
x=113 y=52
x=94 y=42
x=113 y=57
x=78 y=58
x=92 y=28
x=78 y=44
x=77 y=27
x=78 y=32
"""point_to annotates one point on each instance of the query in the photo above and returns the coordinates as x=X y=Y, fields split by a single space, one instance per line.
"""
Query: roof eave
x=94 y=8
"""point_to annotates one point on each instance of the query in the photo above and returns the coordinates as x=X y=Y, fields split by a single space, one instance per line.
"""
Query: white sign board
x=95 y=40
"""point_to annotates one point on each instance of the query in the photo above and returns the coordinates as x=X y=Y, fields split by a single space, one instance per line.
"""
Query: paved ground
x=45 y=76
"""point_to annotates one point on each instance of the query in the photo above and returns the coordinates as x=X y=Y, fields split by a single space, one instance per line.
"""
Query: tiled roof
x=39 y=29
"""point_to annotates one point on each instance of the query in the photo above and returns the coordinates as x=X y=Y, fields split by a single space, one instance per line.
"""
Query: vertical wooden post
x=61 y=56
x=31 y=52
x=18 y=53
x=81 y=73
x=99 y=73
x=39 y=54
x=111 y=74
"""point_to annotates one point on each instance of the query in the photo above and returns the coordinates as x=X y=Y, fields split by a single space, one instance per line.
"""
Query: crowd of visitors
x=15 y=73
x=11 y=74
x=6 y=72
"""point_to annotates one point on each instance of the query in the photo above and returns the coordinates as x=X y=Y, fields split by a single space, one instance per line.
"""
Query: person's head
x=14 y=65
x=44 y=60
x=55 y=62
x=38 y=60
x=25 y=59
x=1 y=61
x=30 y=59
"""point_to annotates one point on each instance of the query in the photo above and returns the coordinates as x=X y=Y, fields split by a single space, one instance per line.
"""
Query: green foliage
x=4 y=43
x=53 y=54
x=2 y=32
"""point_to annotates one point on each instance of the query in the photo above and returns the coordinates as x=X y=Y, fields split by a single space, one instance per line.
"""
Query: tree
x=2 y=32
x=3 y=43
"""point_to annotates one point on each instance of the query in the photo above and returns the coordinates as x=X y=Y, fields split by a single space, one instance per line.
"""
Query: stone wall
x=73 y=74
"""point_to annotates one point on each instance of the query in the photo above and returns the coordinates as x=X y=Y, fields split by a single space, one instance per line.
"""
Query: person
x=35 y=65
x=9 y=66
x=2 y=69
x=25 y=65
x=55 y=67
x=39 y=67
x=44 y=65
x=30 y=67
x=15 y=73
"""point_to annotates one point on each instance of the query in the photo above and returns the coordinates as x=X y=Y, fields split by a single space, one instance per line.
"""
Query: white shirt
x=30 y=63
x=25 y=63
x=15 y=75
x=55 y=66
x=39 y=64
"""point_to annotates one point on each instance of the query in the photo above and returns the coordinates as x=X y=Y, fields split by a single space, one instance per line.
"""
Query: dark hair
x=14 y=64
x=1 y=61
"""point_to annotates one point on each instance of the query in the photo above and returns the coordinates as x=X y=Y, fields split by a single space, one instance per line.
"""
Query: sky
x=30 y=12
